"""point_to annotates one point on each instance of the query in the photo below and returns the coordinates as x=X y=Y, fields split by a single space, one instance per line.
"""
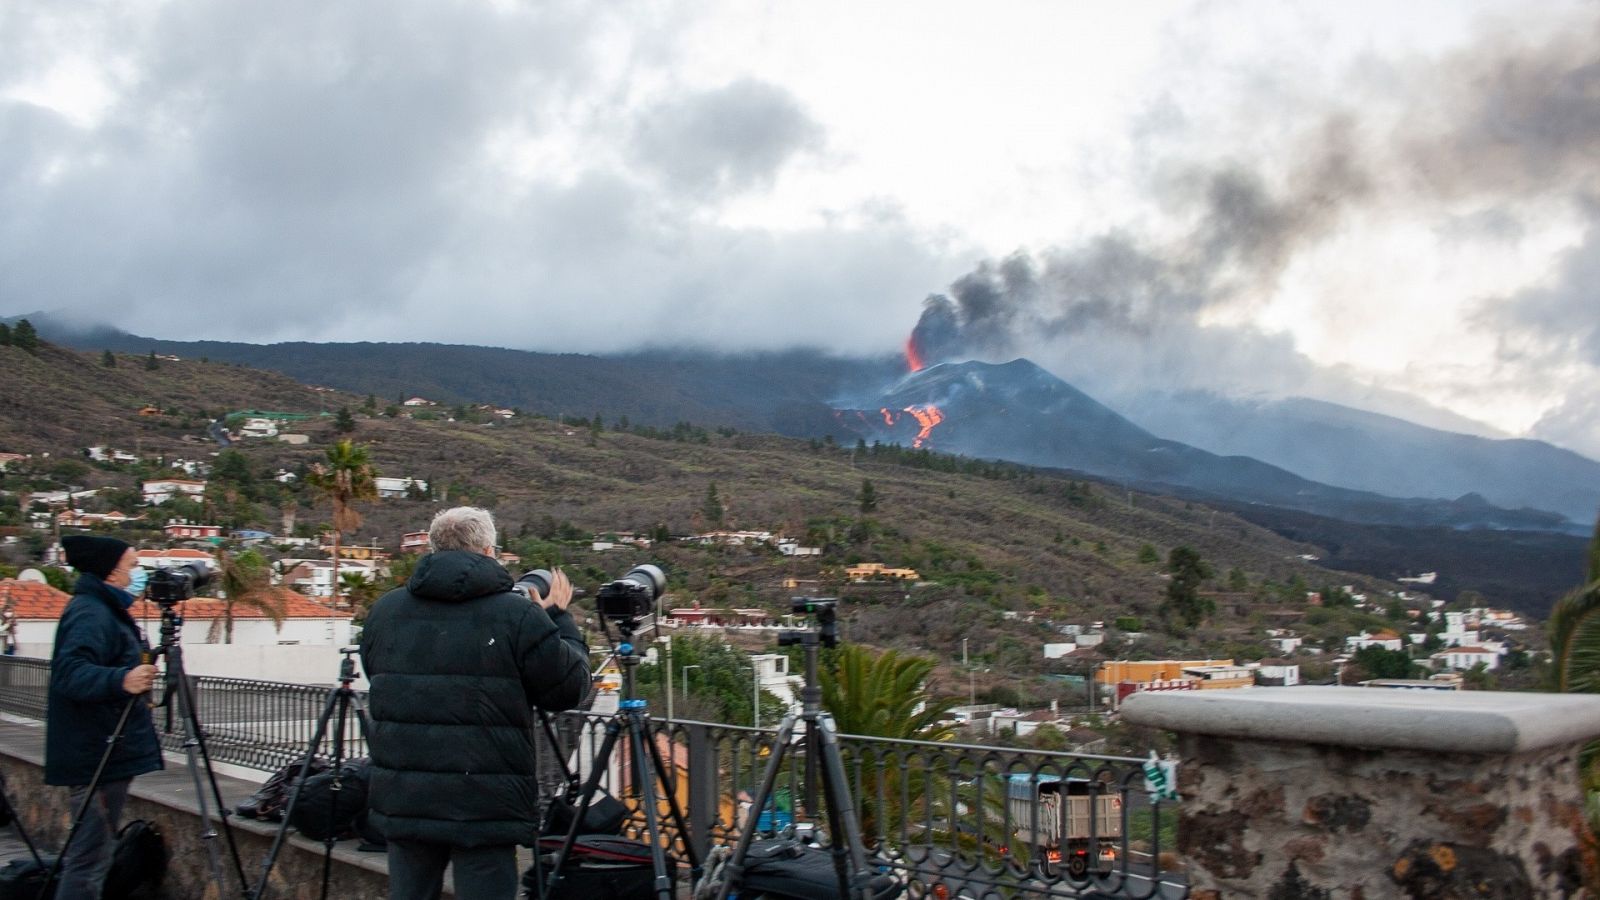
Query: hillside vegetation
x=1003 y=549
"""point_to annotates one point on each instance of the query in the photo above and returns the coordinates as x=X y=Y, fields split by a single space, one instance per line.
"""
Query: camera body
x=175 y=584
x=825 y=610
x=632 y=597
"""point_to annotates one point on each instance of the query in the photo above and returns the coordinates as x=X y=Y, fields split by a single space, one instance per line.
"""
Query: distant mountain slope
x=1020 y=412
x=1366 y=451
x=796 y=393
x=765 y=392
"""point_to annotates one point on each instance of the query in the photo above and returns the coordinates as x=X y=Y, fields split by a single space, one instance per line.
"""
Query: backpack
x=268 y=802
x=138 y=864
x=784 y=869
x=322 y=813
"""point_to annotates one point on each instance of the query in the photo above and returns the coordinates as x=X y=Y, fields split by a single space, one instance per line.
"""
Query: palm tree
x=346 y=477
x=882 y=695
x=1575 y=658
x=245 y=579
x=359 y=589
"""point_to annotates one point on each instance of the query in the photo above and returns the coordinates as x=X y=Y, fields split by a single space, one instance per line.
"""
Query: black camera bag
x=786 y=869
x=322 y=813
x=599 y=867
x=138 y=864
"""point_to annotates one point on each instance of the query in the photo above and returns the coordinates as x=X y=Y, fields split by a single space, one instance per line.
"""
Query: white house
x=792 y=548
x=1463 y=659
x=1057 y=651
x=176 y=556
x=158 y=492
x=1388 y=640
x=314 y=577
x=1285 y=645
x=1277 y=673
x=393 y=488
x=258 y=428
x=181 y=529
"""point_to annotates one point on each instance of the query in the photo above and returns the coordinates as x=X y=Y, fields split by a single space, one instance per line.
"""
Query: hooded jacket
x=97 y=642
x=456 y=661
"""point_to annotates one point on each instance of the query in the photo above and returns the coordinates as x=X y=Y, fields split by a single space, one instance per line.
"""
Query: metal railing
x=952 y=820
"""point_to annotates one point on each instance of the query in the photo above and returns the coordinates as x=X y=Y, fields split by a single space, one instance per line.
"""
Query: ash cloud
x=1480 y=142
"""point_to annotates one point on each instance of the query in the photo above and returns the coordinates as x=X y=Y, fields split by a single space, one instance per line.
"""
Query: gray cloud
x=728 y=139
x=323 y=171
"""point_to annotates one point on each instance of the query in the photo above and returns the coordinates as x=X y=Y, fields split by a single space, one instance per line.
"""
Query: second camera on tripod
x=628 y=599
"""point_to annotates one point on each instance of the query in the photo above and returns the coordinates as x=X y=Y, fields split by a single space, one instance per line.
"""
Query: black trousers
x=416 y=871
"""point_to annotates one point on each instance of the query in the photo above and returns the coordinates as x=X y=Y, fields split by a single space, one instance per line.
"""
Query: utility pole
x=972 y=685
x=667 y=656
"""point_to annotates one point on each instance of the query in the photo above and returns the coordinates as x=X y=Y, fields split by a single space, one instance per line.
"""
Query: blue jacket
x=456 y=662
x=97 y=642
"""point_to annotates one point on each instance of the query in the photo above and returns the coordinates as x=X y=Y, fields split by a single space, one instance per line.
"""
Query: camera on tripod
x=175 y=584
x=825 y=610
x=633 y=596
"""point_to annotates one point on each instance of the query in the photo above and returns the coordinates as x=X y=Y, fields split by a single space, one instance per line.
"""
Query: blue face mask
x=138 y=578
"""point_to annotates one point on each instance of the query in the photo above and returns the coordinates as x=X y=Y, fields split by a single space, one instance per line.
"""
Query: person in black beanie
x=96 y=670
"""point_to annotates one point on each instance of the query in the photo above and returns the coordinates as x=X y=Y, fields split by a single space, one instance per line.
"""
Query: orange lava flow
x=888 y=417
x=913 y=358
x=926 y=416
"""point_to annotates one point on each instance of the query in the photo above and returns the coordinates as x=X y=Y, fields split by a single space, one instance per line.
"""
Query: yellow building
x=1145 y=671
x=869 y=571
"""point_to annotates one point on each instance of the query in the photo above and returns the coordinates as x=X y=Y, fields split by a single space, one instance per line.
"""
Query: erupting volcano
x=926 y=416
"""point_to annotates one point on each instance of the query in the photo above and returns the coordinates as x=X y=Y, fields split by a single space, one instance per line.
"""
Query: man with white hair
x=457 y=660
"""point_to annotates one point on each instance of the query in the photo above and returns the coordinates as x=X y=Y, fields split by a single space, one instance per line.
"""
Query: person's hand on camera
x=139 y=679
x=560 y=591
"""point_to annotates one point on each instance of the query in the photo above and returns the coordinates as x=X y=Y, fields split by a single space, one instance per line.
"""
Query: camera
x=174 y=584
x=633 y=596
x=826 y=612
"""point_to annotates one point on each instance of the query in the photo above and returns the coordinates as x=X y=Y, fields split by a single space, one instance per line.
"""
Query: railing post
x=703 y=786
x=1344 y=792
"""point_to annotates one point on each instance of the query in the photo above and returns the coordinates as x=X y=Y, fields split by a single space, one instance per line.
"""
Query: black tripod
x=336 y=710
x=822 y=756
x=631 y=719
x=194 y=748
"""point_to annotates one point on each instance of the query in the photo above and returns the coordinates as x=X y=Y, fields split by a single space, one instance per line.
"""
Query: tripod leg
x=590 y=786
x=317 y=734
x=195 y=742
x=822 y=737
x=637 y=741
x=342 y=700
x=734 y=871
x=674 y=809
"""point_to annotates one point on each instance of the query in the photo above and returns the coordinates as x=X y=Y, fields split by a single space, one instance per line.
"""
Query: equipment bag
x=268 y=803
x=138 y=864
x=20 y=879
x=321 y=812
x=600 y=867
x=786 y=869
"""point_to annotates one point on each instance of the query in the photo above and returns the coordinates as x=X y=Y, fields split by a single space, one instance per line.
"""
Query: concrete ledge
x=1449 y=721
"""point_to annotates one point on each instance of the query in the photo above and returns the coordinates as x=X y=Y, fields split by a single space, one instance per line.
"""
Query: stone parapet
x=1322 y=792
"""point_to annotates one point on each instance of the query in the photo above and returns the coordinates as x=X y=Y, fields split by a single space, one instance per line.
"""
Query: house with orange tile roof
x=38 y=608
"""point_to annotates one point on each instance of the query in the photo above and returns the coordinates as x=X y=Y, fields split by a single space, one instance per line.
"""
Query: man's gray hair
x=462 y=528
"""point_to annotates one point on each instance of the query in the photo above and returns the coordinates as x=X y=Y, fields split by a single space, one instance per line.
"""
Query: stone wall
x=297 y=874
x=1359 y=793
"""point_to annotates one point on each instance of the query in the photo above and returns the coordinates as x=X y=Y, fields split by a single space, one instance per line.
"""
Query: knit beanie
x=96 y=555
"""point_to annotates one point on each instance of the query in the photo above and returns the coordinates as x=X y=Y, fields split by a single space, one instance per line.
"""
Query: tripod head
x=347 y=666
x=826 y=612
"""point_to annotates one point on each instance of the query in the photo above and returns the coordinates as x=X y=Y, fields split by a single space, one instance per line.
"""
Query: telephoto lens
x=534 y=584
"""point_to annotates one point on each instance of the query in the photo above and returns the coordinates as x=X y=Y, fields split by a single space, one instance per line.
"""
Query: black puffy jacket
x=456 y=662
x=97 y=642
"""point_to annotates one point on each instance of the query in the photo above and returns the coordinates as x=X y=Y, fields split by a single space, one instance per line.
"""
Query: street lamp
x=686 y=679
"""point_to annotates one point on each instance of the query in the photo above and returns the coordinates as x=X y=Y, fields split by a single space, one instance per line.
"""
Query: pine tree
x=5 y=335
x=24 y=337
x=344 y=423
x=108 y=360
x=151 y=363
x=712 y=509
x=868 y=498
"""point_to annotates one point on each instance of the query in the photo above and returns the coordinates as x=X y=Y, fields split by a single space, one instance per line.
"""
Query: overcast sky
x=1389 y=205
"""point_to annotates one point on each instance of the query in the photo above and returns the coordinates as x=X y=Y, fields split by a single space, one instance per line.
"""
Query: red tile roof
x=36 y=602
x=33 y=600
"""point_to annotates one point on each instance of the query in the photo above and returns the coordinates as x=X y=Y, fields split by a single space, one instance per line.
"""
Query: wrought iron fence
x=952 y=820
